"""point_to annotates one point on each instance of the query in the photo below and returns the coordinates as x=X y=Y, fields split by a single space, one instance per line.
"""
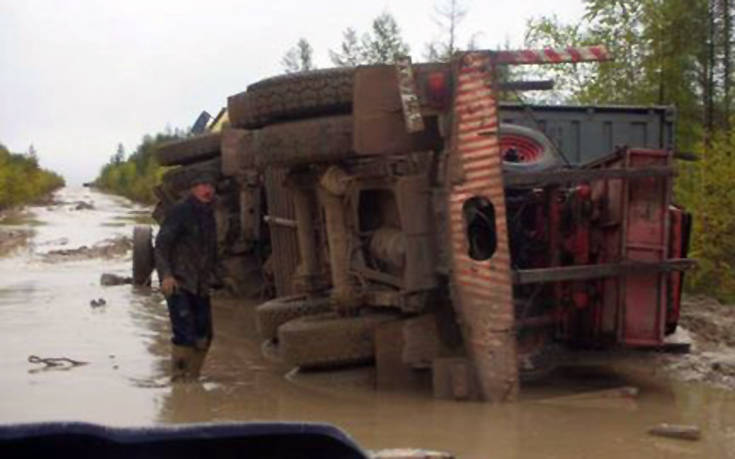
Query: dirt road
x=46 y=287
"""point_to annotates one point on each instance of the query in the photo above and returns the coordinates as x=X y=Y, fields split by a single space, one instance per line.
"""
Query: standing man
x=186 y=261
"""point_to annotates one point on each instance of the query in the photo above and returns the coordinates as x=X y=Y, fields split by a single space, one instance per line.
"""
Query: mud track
x=11 y=239
x=711 y=327
x=110 y=248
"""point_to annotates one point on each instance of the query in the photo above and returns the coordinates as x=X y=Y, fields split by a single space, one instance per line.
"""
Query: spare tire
x=292 y=96
x=300 y=142
x=191 y=150
x=326 y=340
x=143 y=259
x=527 y=150
x=272 y=314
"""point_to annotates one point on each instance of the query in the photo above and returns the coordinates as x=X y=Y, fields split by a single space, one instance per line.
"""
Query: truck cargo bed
x=585 y=133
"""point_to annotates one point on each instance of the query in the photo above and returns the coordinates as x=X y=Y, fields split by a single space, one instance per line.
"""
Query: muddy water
x=45 y=310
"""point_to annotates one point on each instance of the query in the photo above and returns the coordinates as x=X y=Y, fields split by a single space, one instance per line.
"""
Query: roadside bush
x=136 y=176
x=705 y=189
x=22 y=180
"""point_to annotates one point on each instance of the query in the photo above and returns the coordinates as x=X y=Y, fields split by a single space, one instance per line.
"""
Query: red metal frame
x=615 y=249
x=646 y=239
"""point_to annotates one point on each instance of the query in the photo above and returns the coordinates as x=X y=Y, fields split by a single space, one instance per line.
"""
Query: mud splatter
x=12 y=239
x=711 y=326
x=107 y=249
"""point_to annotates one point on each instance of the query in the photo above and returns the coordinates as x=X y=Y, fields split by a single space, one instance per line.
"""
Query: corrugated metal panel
x=481 y=286
x=586 y=133
x=284 y=242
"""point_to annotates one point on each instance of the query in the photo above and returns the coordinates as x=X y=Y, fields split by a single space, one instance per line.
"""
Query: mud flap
x=379 y=127
x=481 y=282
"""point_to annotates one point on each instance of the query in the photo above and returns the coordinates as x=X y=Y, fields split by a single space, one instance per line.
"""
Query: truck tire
x=191 y=150
x=533 y=151
x=307 y=141
x=276 y=312
x=326 y=340
x=292 y=96
x=142 y=255
x=329 y=139
x=177 y=180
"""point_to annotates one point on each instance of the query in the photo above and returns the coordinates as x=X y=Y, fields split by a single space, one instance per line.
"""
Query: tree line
x=136 y=175
x=22 y=180
x=383 y=41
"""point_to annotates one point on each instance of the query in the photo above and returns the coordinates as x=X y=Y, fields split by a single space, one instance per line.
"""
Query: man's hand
x=169 y=285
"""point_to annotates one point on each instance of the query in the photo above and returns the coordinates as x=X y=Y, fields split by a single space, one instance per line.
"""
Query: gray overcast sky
x=79 y=76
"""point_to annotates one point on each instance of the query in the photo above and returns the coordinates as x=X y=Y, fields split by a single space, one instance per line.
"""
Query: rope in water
x=55 y=361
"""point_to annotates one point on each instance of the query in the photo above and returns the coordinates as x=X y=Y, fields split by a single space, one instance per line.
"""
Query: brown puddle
x=45 y=311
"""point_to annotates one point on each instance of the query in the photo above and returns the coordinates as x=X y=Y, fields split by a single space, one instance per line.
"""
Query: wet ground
x=46 y=286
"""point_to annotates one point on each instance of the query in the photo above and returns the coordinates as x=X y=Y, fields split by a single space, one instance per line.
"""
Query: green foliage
x=22 y=180
x=136 y=176
x=298 y=58
x=351 y=52
x=667 y=52
x=705 y=188
x=379 y=46
x=385 y=42
x=448 y=16
x=656 y=46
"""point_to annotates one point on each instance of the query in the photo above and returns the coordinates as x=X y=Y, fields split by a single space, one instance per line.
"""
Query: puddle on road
x=45 y=311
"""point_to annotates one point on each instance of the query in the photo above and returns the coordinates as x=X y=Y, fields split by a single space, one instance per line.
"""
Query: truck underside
x=406 y=218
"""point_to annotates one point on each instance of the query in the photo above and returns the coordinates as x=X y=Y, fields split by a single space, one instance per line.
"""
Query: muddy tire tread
x=276 y=312
x=143 y=261
x=177 y=180
x=292 y=96
x=325 y=340
x=191 y=150
x=323 y=139
x=330 y=138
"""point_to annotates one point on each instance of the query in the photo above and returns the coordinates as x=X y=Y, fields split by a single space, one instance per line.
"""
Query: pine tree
x=351 y=52
x=298 y=58
x=385 y=42
x=448 y=17
x=119 y=155
x=33 y=155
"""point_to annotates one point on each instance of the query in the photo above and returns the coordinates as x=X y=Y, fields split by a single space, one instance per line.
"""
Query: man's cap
x=203 y=177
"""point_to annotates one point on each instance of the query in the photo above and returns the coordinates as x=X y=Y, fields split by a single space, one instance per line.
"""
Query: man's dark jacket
x=186 y=246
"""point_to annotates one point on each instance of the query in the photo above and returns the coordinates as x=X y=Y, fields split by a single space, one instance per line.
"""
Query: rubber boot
x=197 y=362
x=182 y=360
x=201 y=346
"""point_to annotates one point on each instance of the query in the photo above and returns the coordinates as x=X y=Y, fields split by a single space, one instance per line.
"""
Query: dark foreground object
x=682 y=432
x=252 y=440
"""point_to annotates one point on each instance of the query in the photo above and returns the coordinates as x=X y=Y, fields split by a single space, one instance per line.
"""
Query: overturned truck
x=406 y=217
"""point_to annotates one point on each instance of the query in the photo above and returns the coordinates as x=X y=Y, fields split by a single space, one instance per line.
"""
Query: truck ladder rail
x=586 y=272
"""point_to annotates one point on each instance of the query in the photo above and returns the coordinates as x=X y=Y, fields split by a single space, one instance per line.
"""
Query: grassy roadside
x=136 y=176
x=22 y=181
